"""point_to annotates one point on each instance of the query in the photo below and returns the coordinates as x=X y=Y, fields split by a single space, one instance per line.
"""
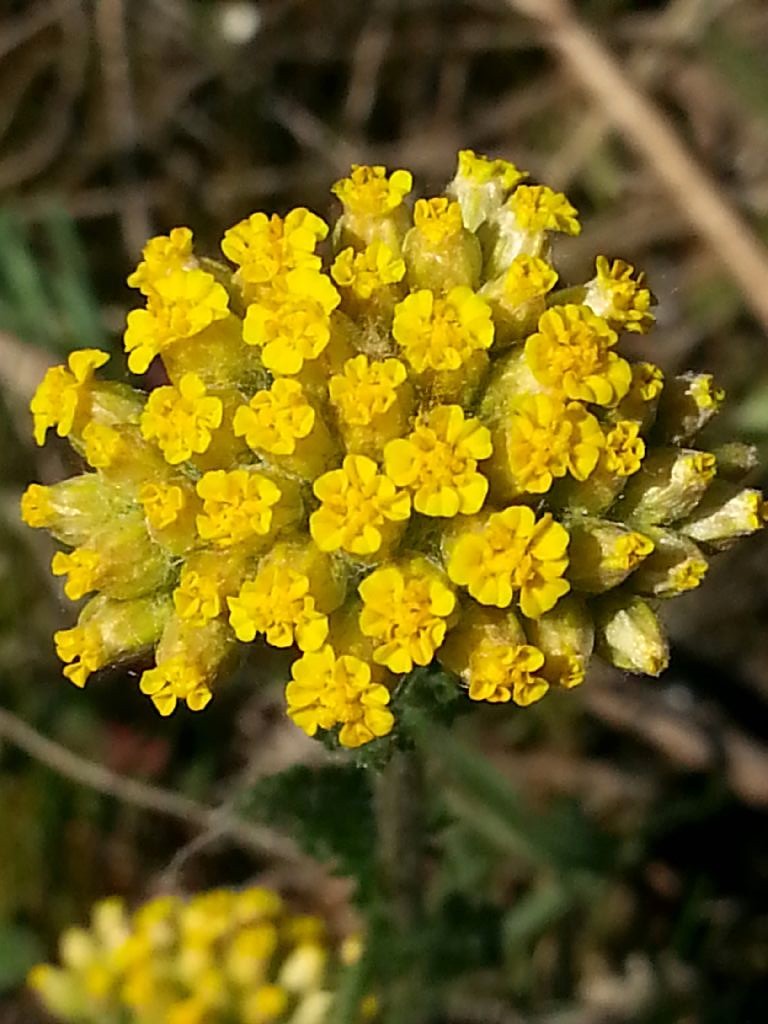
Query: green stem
x=400 y=815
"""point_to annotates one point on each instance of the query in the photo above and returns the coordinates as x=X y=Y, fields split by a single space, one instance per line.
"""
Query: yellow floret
x=571 y=353
x=277 y=602
x=162 y=503
x=647 y=381
x=628 y=551
x=264 y=247
x=546 y=438
x=619 y=297
x=199 y=596
x=366 y=389
x=437 y=462
x=367 y=272
x=61 y=395
x=103 y=445
x=182 y=304
x=237 y=506
x=406 y=608
x=509 y=553
x=688 y=574
x=481 y=169
x=291 y=323
x=502 y=672
x=174 y=680
x=528 y=277
x=37 y=508
x=82 y=651
x=275 y=419
x=360 y=507
x=160 y=257
x=539 y=208
x=329 y=690
x=705 y=392
x=442 y=333
x=181 y=421
x=624 y=448
x=437 y=219
x=368 y=192
x=82 y=569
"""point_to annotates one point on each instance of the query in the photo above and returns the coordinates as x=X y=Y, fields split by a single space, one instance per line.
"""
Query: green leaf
x=20 y=949
x=329 y=810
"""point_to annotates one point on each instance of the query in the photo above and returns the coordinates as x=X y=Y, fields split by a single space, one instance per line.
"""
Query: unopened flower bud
x=675 y=565
x=688 y=403
x=566 y=637
x=669 y=486
x=439 y=251
x=75 y=509
x=725 y=513
x=602 y=553
x=629 y=634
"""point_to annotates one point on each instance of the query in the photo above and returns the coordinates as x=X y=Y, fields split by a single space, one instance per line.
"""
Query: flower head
x=502 y=672
x=406 y=608
x=275 y=419
x=539 y=208
x=366 y=389
x=82 y=650
x=437 y=219
x=277 y=602
x=624 y=448
x=174 y=680
x=37 y=509
x=181 y=421
x=480 y=170
x=512 y=553
x=291 y=323
x=368 y=271
x=264 y=247
x=438 y=461
x=369 y=192
x=620 y=297
x=162 y=503
x=81 y=567
x=442 y=333
x=546 y=438
x=571 y=353
x=358 y=508
x=238 y=506
x=160 y=257
x=528 y=277
x=62 y=394
x=329 y=690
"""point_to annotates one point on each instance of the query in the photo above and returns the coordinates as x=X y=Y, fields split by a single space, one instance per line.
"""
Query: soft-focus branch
x=258 y=838
x=647 y=129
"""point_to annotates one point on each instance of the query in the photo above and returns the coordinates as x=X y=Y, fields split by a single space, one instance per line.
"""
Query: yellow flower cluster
x=221 y=957
x=385 y=442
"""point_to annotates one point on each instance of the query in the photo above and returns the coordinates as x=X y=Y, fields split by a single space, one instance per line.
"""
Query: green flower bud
x=688 y=403
x=629 y=634
x=440 y=253
x=74 y=510
x=668 y=487
x=566 y=636
x=602 y=554
x=676 y=565
x=736 y=460
x=725 y=513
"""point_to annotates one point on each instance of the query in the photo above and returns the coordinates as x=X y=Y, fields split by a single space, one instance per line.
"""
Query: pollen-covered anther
x=407 y=607
x=438 y=461
x=361 y=509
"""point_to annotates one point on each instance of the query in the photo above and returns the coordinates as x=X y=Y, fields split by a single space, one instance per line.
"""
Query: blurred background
x=120 y=119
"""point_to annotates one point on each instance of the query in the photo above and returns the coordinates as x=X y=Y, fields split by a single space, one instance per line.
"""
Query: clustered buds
x=383 y=443
x=221 y=957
